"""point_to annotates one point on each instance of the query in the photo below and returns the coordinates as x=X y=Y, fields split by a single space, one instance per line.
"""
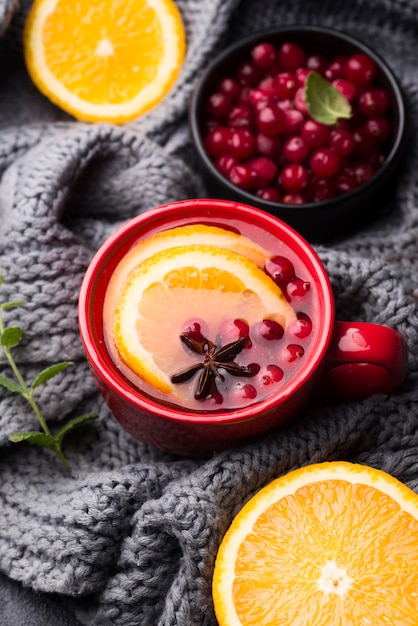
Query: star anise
x=215 y=359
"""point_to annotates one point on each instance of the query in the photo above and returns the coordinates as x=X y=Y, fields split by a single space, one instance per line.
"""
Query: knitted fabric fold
x=129 y=536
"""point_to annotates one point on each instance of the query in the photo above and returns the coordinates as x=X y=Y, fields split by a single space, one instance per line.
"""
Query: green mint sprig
x=326 y=104
x=10 y=337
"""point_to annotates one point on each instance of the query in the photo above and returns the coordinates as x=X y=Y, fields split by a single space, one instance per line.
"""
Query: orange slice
x=328 y=544
x=107 y=60
x=176 y=284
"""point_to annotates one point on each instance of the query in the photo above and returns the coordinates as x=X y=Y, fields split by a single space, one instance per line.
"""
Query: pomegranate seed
x=241 y=175
x=360 y=69
x=265 y=171
x=294 y=177
x=291 y=56
x=301 y=327
x=196 y=329
x=325 y=162
x=244 y=391
x=298 y=288
x=264 y=54
x=232 y=330
x=294 y=352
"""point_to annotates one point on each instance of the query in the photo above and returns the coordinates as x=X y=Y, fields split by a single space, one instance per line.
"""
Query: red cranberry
x=267 y=329
x=265 y=171
x=293 y=121
x=242 y=143
x=360 y=69
x=286 y=85
x=320 y=189
x=291 y=56
x=269 y=375
x=217 y=141
x=268 y=86
x=314 y=133
x=264 y=54
x=342 y=141
x=230 y=87
x=363 y=171
x=336 y=69
x=296 y=149
x=219 y=104
x=346 y=181
x=248 y=74
x=364 y=143
x=232 y=330
x=268 y=146
x=317 y=63
x=294 y=352
x=270 y=194
x=241 y=175
x=378 y=128
x=325 y=162
x=294 y=198
x=347 y=89
x=280 y=269
x=270 y=120
x=293 y=177
x=373 y=102
x=225 y=162
x=241 y=116
x=300 y=101
x=243 y=392
x=196 y=329
x=298 y=288
x=300 y=327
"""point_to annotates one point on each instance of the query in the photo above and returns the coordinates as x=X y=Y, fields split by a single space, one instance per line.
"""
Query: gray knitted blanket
x=129 y=536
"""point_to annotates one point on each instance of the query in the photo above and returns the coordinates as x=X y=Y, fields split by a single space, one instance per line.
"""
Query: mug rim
x=98 y=275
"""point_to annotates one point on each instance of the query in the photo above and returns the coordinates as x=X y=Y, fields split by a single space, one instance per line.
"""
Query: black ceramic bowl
x=316 y=221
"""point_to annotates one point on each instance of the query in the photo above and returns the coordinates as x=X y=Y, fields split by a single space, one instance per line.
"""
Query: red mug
x=346 y=360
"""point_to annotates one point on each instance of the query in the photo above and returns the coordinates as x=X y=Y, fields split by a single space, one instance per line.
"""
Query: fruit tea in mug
x=210 y=315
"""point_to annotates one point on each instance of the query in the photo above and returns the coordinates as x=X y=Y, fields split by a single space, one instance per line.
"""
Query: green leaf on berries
x=11 y=337
x=326 y=104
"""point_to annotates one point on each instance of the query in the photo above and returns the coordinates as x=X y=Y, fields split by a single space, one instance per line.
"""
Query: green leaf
x=73 y=424
x=35 y=438
x=10 y=384
x=11 y=336
x=326 y=104
x=49 y=373
x=9 y=305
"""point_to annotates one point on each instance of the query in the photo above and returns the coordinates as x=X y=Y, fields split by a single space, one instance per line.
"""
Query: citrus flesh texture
x=182 y=282
x=107 y=60
x=332 y=544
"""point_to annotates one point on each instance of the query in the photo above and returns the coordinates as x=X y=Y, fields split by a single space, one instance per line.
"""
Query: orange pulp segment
x=332 y=544
x=178 y=283
x=107 y=60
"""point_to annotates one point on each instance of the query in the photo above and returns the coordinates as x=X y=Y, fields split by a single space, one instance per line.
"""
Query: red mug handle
x=363 y=359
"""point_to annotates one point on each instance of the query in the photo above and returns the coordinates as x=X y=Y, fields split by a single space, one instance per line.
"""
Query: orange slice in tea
x=178 y=283
x=328 y=544
x=104 y=61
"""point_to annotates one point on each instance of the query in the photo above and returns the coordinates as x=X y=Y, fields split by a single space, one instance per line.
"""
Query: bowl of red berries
x=305 y=122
